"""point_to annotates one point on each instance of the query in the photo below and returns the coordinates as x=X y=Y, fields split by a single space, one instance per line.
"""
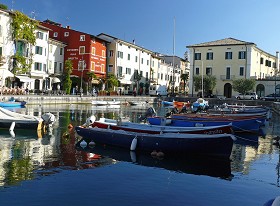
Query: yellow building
x=229 y=59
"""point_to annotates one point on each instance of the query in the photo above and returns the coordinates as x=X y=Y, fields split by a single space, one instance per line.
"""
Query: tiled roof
x=222 y=42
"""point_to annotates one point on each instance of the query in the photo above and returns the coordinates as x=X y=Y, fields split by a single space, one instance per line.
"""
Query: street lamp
x=277 y=68
x=82 y=66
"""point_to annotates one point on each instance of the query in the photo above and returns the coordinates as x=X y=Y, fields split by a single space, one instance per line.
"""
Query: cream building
x=229 y=59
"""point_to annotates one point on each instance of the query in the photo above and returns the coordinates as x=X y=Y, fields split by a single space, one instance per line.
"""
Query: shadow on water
x=191 y=165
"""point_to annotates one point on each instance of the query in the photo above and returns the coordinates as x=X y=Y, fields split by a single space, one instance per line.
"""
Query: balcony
x=227 y=77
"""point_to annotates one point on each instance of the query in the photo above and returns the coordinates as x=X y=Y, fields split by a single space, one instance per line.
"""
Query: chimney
x=68 y=27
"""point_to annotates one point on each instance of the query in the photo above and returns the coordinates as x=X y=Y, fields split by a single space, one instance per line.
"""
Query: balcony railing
x=227 y=77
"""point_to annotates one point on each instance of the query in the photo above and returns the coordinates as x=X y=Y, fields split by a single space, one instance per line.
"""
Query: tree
x=185 y=77
x=243 y=85
x=3 y=6
x=67 y=84
x=209 y=83
x=91 y=76
x=112 y=81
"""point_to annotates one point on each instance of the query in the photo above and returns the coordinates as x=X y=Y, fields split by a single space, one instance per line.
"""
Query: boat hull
x=168 y=143
x=242 y=125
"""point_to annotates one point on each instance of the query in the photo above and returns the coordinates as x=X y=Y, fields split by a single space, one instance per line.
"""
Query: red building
x=81 y=47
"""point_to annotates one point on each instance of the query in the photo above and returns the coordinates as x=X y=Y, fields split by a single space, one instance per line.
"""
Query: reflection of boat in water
x=199 y=166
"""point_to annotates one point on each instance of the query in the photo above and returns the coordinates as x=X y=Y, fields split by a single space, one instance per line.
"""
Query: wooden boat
x=105 y=103
x=219 y=145
x=157 y=129
x=22 y=121
x=239 y=125
x=138 y=103
x=167 y=103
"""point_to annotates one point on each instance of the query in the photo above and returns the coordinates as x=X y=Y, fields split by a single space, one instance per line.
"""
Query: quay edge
x=76 y=99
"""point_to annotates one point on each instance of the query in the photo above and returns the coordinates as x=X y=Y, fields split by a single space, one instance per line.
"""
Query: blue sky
x=151 y=22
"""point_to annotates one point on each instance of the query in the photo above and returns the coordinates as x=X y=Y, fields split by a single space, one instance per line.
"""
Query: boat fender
x=12 y=126
x=133 y=143
x=133 y=156
x=83 y=144
x=12 y=133
x=90 y=121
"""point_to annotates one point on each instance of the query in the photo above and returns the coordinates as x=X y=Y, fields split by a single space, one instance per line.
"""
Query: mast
x=173 y=78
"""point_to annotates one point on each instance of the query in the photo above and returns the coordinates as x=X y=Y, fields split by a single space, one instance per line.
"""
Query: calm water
x=53 y=170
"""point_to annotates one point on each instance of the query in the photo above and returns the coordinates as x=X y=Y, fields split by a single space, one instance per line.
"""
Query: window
x=197 y=71
x=82 y=37
x=228 y=55
x=261 y=60
x=55 y=34
x=119 y=72
x=147 y=76
x=55 y=67
x=92 y=66
x=128 y=56
x=197 y=56
x=61 y=51
x=209 y=56
x=103 y=68
x=208 y=71
x=136 y=58
x=39 y=35
x=110 y=69
x=0 y=30
x=38 y=66
x=242 y=55
x=66 y=33
x=44 y=67
x=111 y=53
x=147 y=62
x=38 y=50
x=228 y=73
x=128 y=71
x=93 y=50
x=1 y=51
x=241 y=71
x=120 y=54
x=103 y=53
x=82 y=49
x=60 y=67
x=142 y=60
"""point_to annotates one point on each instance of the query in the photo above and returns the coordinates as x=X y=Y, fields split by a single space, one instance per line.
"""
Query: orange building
x=81 y=47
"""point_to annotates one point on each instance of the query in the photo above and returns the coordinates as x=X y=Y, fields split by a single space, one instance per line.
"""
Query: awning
x=55 y=80
x=124 y=81
x=25 y=79
x=4 y=73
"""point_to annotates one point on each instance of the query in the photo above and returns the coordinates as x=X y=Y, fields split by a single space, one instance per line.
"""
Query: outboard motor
x=149 y=113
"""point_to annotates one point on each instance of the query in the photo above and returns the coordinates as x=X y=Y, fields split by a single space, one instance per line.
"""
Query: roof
x=222 y=42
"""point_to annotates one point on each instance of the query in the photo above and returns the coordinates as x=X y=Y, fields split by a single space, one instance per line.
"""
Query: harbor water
x=52 y=169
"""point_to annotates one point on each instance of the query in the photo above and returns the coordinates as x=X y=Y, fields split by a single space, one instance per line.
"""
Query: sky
x=164 y=26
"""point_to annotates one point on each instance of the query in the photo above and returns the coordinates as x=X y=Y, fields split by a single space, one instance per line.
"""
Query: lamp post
x=277 y=68
x=82 y=66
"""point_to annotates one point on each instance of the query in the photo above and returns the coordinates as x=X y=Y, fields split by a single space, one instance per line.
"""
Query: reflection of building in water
x=20 y=156
x=244 y=155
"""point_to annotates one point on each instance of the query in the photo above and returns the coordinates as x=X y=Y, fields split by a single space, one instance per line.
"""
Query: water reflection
x=28 y=155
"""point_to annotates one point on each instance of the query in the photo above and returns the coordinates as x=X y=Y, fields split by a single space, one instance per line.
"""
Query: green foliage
x=21 y=64
x=112 y=81
x=243 y=85
x=67 y=84
x=24 y=28
x=2 y=6
x=209 y=82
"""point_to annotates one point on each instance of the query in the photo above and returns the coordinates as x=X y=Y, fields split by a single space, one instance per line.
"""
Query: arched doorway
x=260 y=90
x=227 y=90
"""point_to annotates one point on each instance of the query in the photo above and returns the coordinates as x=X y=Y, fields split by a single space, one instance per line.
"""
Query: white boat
x=139 y=103
x=9 y=119
x=105 y=103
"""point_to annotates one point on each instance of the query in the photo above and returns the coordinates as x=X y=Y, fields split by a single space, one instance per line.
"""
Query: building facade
x=229 y=59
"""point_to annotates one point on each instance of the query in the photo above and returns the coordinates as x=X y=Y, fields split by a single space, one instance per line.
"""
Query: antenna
x=12 y=5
